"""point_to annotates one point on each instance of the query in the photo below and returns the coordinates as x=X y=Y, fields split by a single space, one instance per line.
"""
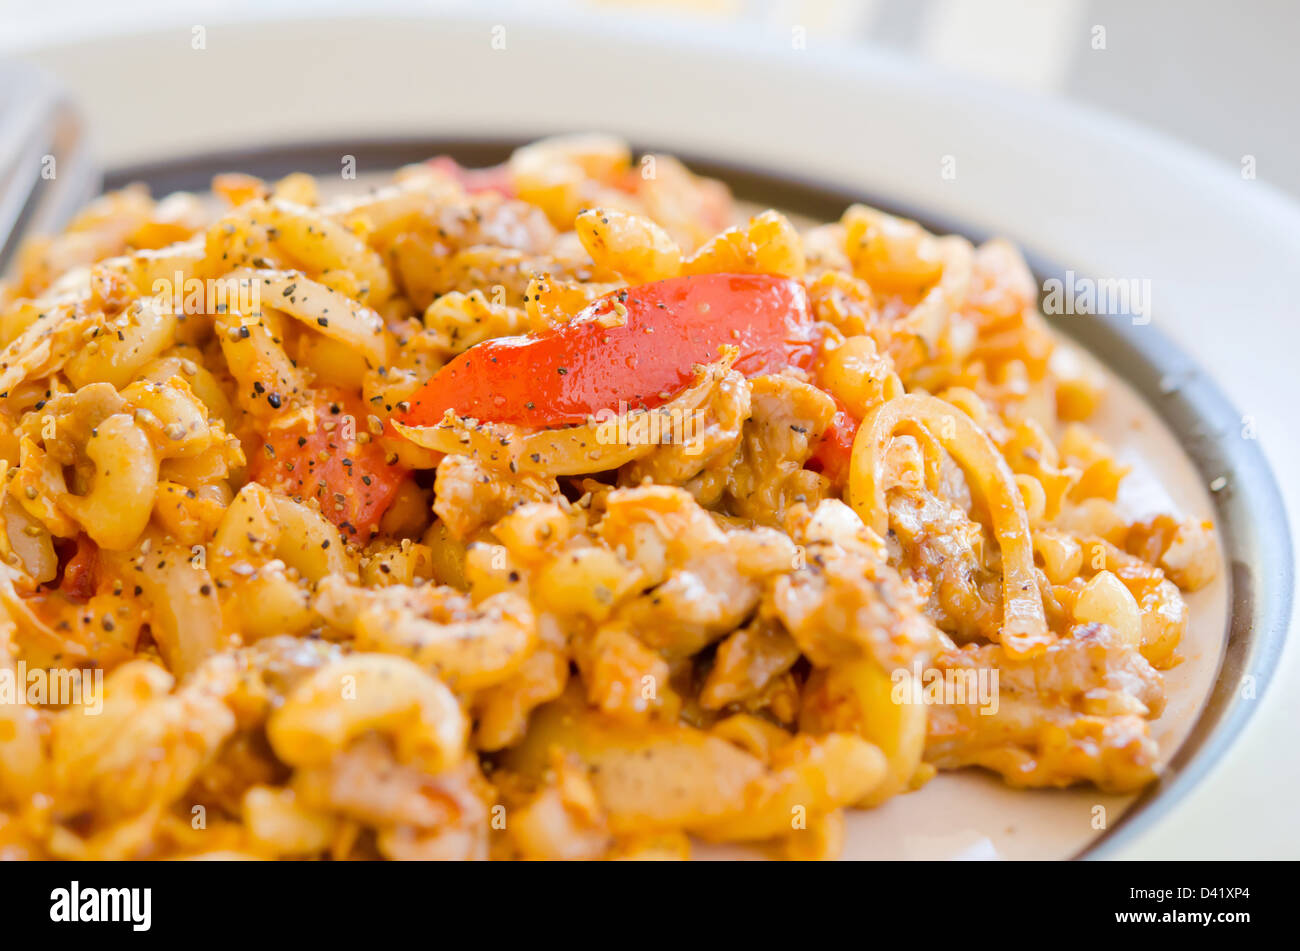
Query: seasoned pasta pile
x=553 y=510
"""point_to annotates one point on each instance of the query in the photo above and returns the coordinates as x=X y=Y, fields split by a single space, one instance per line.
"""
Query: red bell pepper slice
x=341 y=465
x=833 y=453
x=637 y=346
x=81 y=573
x=495 y=178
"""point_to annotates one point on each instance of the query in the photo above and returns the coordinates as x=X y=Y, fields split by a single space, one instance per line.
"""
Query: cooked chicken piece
x=467 y=497
x=768 y=476
x=489 y=218
x=623 y=677
x=847 y=602
x=1078 y=712
x=713 y=436
x=266 y=673
x=564 y=820
x=501 y=712
x=941 y=546
x=269 y=670
x=1185 y=550
x=417 y=815
x=147 y=743
x=747 y=662
x=701 y=589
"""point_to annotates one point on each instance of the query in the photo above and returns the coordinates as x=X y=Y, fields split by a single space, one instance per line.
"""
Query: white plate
x=1093 y=193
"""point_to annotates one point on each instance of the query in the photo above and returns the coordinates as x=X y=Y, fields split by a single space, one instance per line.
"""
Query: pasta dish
x=556 y=510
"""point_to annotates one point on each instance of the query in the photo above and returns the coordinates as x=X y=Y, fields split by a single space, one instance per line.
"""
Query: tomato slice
x=338 y=463
x=495 y=178
x=81 y=573
x=834 y=451
x=637 y=346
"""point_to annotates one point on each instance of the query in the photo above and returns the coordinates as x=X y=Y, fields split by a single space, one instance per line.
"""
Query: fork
x=47 y=171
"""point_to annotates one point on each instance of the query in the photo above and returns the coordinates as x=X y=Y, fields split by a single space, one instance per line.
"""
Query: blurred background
x=1219 y=76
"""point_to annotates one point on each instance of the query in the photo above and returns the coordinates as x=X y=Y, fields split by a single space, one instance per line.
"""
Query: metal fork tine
x=78 y=177
x=28 y=99
x=37 y=121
